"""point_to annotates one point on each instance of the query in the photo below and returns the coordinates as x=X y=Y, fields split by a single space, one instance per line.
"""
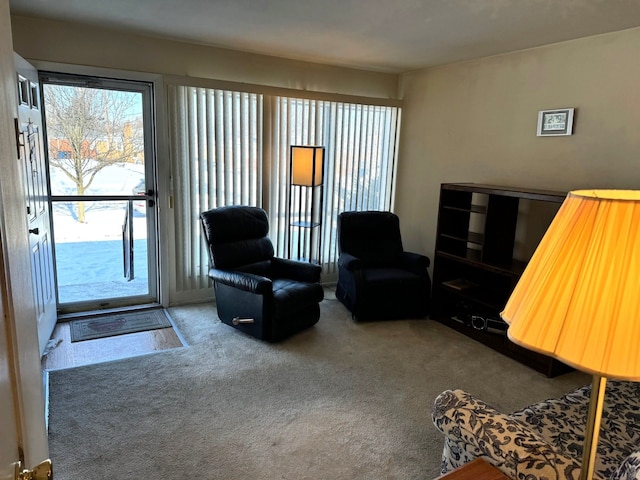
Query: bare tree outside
x=89 y=129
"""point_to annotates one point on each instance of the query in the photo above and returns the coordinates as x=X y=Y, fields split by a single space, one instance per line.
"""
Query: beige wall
x=467 y=122
x=60 y=42
x=476 y=122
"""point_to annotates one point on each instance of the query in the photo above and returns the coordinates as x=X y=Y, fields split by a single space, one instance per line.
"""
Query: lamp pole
x=592 y=432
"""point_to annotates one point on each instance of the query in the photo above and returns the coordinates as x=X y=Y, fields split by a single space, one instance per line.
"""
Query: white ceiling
x=382 y=35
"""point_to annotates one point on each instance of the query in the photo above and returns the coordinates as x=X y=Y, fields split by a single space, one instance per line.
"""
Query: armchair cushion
x=288 y=295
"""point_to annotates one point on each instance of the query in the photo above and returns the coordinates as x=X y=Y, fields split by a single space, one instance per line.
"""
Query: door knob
x=44 y=471
x=35 y=231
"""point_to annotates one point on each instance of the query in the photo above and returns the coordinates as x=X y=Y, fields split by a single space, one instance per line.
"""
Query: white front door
x=34 y=167
x=22 y=417
x=13 y=439
x=9 y=453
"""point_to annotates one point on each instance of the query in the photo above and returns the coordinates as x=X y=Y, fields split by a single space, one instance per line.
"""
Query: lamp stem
x=592 y=432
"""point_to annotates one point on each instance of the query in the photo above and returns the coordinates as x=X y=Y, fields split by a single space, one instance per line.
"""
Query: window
x=231 y=147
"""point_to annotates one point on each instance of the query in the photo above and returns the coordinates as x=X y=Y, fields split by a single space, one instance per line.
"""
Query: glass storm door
x=101 y=167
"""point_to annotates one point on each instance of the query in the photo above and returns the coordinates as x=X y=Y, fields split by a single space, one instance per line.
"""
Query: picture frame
x=555 y=123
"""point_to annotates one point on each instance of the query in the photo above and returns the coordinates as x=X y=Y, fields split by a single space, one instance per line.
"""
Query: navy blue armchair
x=264 y=296
x=377 y=279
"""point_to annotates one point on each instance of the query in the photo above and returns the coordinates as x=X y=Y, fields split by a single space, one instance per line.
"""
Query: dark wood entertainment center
x=475 y=267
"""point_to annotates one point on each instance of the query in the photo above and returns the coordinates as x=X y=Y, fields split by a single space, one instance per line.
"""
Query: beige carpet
x=342 y=400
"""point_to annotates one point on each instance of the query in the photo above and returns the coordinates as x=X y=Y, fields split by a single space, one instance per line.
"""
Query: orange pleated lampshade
x=578 y=300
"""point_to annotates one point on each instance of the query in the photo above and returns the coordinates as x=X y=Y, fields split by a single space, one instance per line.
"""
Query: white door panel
x=37 y=206
x=22 y=418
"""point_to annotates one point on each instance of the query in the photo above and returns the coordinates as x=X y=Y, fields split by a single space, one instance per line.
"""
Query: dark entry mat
x=118 y=324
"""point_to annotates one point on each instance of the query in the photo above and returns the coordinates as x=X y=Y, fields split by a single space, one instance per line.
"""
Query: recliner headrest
x=237 y=235
x=370 y=235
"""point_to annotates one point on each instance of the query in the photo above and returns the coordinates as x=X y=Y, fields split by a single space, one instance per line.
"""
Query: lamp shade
x=307 y=165
x=578 y=300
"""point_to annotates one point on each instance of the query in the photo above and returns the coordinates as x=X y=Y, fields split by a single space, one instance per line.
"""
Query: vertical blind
x=216 y=151
x=232 y=148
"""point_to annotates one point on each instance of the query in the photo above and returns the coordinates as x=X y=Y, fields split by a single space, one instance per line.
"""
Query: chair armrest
x=242 y=280
x=629 y=469
x=295 y=270
x=349 y=262
x=501 y=440
x=415 y=262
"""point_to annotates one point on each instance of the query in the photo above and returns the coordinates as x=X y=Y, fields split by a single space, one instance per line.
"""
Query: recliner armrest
x=296 y=270
x=415 y=262
x=242 y=280
x=500 y=439
x=349 y=262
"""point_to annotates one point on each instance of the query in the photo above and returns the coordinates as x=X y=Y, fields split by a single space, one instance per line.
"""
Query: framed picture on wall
x=554 y=123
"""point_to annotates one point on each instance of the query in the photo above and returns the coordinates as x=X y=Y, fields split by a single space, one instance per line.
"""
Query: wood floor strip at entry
x=66 y=354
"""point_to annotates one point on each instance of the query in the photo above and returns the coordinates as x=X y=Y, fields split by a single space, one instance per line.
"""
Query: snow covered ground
x=89 y=256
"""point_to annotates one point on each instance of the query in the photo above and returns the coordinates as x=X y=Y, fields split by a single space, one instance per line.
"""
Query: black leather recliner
x=377 y=279
x=264 y=296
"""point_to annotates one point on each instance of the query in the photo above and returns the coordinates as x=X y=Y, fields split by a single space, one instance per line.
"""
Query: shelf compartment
x=454 y=223
x=480 y=209
x=458 y=199
x=500 y=229
x=487 y=299
x=473 y=257
x=468 y=237
x=481 y=324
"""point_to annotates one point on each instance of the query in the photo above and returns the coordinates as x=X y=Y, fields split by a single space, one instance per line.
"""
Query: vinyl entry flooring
x=64 y=354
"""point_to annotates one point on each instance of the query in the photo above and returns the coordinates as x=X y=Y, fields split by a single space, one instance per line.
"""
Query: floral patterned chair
x=543 y=441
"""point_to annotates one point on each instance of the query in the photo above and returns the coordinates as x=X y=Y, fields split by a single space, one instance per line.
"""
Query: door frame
x=163 y=174
x=146 y=89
